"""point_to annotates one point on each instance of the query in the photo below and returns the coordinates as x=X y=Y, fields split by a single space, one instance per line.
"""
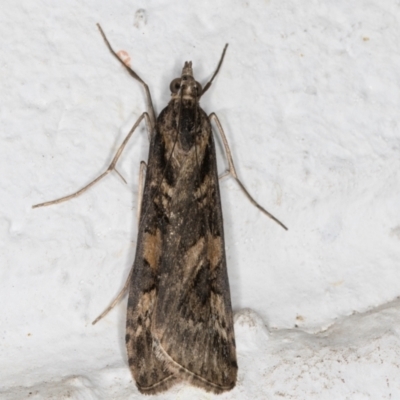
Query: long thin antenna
x=216 y=71
x=150 y=108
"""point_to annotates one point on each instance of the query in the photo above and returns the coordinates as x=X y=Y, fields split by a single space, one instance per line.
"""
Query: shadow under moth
x=179 y=324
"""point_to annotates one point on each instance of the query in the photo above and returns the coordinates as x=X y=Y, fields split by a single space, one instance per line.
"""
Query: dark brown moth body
x=179 y=322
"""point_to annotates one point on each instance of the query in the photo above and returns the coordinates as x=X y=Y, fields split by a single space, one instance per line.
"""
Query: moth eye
x=199 y=89
x=175 y=85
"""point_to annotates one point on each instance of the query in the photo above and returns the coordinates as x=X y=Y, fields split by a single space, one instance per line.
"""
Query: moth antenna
x=217 y=70
x=131 y=72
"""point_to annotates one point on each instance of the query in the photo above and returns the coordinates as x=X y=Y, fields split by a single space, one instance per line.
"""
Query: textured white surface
x=309 y=98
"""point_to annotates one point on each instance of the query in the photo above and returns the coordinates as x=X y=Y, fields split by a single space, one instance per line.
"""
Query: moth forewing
x=179 y=323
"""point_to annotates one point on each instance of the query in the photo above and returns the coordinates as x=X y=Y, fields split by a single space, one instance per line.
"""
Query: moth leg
x=223 y=175
x=232 y=171
x=150 y=108
x=109 y=169
x=121 y=294
x=143 y=167
x=207 y=86
x=123 y=291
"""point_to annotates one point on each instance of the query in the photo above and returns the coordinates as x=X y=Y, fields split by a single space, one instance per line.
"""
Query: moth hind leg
x=120 y=295
x=143 y=167
x=125 y=288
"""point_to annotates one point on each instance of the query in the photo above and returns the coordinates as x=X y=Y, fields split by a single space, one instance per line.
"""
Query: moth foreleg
x=232 y=171
x=109 y=169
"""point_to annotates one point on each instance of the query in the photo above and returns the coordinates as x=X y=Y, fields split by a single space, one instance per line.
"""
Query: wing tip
x=183 y=374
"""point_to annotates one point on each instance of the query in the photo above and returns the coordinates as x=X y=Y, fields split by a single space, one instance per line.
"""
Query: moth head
x=186 y=86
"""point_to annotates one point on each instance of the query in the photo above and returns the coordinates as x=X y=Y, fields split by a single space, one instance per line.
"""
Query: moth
x=179 y=324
